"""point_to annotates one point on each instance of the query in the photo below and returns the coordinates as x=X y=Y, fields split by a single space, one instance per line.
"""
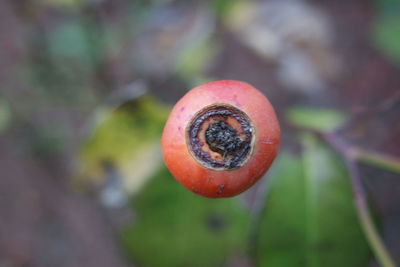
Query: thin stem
x=373 y=237
x=372 y=158
x=379 y=160
x=360 y=200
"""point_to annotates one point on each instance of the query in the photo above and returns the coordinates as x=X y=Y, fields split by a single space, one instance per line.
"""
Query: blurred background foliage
x=86 y=87
x=322 y=229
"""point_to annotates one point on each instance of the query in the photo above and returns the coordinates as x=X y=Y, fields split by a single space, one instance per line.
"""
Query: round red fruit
x=220 y=138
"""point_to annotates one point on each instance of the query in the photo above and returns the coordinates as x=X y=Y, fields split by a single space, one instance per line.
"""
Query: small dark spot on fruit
x=179 y=128
x=220 y=188
x=182 y=109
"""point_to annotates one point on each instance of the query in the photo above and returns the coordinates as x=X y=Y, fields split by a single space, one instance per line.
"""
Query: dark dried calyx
x=232 y=143
x=223 y=139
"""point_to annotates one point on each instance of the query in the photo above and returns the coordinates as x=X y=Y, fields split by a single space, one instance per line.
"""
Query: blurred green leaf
x=315 y=118
x=68 y=40
x=309 y=218
x=386 y=36
x=174 y=227
x=222 y=7
x=72 y=61
x=387 y=6
x=128 y=138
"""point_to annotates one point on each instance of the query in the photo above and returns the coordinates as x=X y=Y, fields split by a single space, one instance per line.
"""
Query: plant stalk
x=360 y=201
x=351 y=155
x=379 y=160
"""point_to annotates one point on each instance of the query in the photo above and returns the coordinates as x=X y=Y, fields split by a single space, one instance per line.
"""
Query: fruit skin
x=215 y=183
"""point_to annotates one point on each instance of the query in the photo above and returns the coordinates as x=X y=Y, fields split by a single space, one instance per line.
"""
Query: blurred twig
x=351 y=156
x=371 y=113
x=377 y=159
x=358 y=154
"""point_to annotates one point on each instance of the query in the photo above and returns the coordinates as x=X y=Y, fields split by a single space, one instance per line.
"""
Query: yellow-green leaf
x=127 y=141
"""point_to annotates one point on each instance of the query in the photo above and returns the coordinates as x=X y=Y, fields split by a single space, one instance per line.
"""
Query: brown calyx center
x=223 y=138
x=220 y=137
